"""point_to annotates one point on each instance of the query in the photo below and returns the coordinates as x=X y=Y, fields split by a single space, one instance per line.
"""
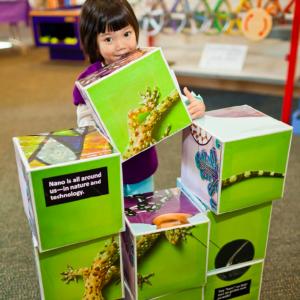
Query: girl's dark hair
x=96 y=16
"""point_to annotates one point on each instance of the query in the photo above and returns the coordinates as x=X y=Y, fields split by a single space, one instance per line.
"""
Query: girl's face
x=113 y=44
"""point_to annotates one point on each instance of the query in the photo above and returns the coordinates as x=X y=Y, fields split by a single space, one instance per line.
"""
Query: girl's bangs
x=113 y=22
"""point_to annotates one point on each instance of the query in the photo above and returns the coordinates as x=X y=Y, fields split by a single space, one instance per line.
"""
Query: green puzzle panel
x=83 y=255
x=83 y=219
x=267 y=153
x=113 y=106
x=249 y=227
x=175 y=267
x=251 y=279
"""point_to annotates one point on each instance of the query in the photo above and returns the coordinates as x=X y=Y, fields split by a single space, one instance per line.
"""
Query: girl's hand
x=196 y=108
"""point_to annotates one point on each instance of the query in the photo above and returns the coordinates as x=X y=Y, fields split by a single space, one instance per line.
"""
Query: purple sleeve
x=77 y=98
x=140 y=166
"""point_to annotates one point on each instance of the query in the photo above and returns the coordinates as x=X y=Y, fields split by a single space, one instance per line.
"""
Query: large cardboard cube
x=71 y=186
x=241 y=281
x=89 y=270
x=136 y=101
x=238 y=236
x=235 y=237
x=235 y=157
x=165 y=244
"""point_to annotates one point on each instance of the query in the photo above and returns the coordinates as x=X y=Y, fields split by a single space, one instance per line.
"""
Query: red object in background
x=292 y=62
x=150 y=40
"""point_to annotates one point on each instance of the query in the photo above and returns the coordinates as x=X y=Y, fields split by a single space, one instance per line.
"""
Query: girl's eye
x=108 y=40
x=127 y=33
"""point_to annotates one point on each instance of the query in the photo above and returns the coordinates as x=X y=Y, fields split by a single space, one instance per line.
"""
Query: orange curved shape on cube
x=171 y=220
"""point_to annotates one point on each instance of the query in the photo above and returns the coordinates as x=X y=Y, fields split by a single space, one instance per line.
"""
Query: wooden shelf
x=59 y=24
x=74 y=12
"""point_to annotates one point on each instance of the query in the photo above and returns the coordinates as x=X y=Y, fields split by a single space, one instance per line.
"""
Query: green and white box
x=88 y=270
x=189 y=294
x=136 y=101
x=71 y=186
x=240 y=282
x=239 y=236
x=235 y=237
x=164 y=245
x=235 y=157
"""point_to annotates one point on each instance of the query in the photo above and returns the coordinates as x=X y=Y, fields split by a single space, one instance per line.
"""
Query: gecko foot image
x=103 y=270
x=141 y=132
x=147 y=241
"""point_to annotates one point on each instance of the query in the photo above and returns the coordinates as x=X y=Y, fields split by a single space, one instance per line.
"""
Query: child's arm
x=195 y=104
x=84 y=116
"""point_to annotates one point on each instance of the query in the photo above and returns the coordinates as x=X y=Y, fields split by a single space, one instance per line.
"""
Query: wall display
x=149 y=106
x=90 y=270
x=71 y=186
x=214 y=17
x=235 y=237
x=241 y=281
x=257 y=24
x=235 y=157
x=165 y=245
x=179 y=15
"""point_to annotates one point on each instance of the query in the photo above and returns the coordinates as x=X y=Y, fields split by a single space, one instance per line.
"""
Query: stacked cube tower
x=204 y=239
x=72 y=194
x=166 y=242
x=234 y=163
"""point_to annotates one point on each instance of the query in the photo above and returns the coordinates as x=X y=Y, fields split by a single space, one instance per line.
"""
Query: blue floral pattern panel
x=201 y=165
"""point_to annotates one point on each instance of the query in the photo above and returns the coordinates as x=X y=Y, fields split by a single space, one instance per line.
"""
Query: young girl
x=108 y=30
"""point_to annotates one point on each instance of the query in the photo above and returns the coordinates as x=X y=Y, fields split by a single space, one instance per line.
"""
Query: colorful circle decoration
x=257 y=24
